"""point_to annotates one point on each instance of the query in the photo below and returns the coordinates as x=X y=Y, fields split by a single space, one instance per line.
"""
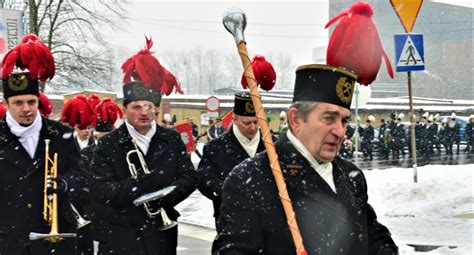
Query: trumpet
x=50 y=204
x=151 y=212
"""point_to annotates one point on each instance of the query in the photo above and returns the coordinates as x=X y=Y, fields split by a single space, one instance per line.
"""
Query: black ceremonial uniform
x=451 y=137
x=131 y=231
x=253 y=222
x=367 y=138
x=398 y=140
x=22 y=185
x=220 y=156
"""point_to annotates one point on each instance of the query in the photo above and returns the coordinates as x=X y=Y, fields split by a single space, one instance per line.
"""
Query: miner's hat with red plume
x=243 y=104
x=36 y=63
x=322 y=83
x=354 y=54
x=143 y=75
x=93 y=100
x=77 y=112
x=107 y=112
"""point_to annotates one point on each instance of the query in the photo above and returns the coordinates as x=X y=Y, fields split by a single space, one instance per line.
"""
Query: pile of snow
x=436 y=211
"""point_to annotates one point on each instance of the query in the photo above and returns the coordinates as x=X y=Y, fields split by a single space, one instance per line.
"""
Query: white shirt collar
x=324 y=169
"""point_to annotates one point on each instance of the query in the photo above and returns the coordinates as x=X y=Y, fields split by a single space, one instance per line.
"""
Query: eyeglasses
x=247 y=123
x=141 y=107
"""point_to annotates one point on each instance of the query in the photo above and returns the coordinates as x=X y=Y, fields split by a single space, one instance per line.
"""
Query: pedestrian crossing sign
x=409 y=52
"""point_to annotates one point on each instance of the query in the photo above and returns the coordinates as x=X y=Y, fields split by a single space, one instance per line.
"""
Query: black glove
x=61 y=186
x=145 y=182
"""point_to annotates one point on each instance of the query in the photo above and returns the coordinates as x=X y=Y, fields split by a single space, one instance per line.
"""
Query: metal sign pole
x=412 y=131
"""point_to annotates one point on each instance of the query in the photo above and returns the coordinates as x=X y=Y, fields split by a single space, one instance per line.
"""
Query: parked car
x=462 y=120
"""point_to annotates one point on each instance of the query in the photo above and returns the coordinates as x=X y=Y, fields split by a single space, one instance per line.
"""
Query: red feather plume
x=169 y=83
x=355 y=43
x=145 y=67
x=93 y=100
x=107 y=111
x=264 y=73
x=78 y=112
x=3 y=110
x=31 y=54
x=45 y=107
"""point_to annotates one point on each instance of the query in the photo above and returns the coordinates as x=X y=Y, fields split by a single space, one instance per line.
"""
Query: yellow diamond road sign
x=407 y=11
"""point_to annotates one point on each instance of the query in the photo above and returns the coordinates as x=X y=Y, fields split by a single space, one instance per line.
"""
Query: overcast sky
x=273 y=26
x=289 y=27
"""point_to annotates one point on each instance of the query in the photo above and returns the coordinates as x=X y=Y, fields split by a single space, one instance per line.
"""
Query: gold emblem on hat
x=344 y=90
x=139 y=92
x=249 y=107
x=18 y=82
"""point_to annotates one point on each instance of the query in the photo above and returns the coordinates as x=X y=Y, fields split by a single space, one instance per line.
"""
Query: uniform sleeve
x=238 y=226
x=380 y=240
x=187 y=178
x=210 y=185
x=105 y=186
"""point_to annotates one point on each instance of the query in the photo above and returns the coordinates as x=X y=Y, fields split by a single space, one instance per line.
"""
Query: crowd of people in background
x=105 y=169
x=391 y=139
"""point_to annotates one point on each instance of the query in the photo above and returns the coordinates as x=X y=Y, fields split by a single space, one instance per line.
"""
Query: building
x=448 y=46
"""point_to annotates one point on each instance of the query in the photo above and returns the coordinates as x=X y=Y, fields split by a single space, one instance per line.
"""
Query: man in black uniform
x=329 y=194
x=451 y=134
x=399 y=137
x=106 y=113
x=220 y=155
x=131 y=229
x=367 y=138
x=23 y=136
x=84 y=137
x=382 y=144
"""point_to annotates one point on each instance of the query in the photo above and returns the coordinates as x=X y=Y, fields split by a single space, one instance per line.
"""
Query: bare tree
x=199 y=63
x=284 y=68
x=73 y=29
x=233 y=70
x=213 y=69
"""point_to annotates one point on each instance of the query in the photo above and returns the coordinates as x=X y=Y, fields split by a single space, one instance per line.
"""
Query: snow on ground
x=436 y=211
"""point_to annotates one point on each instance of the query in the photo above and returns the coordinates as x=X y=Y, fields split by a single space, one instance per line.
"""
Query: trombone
x=50 y=205
x=167 y=222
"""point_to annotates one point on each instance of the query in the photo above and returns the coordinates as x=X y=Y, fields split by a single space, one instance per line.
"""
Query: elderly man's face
x=23 y=108
x=247 y=125
x=323 y=130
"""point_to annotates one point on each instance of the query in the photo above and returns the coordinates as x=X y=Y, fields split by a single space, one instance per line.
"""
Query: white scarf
x=324 y=169
x=82 y=144
x=250 y=146
x=143 y=141
x=28 y=136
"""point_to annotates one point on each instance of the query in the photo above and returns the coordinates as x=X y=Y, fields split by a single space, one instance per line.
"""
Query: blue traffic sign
x=409 y=52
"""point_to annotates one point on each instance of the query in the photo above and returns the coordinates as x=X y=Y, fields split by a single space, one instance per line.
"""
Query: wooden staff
x=235 y=22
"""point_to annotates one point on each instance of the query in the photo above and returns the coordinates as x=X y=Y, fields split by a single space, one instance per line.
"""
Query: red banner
x=185 y=129
x=227 y=119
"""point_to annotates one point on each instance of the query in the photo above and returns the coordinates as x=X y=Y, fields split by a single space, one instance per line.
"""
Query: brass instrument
x=50 y=205
x=167 y=222
x=81 y=222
